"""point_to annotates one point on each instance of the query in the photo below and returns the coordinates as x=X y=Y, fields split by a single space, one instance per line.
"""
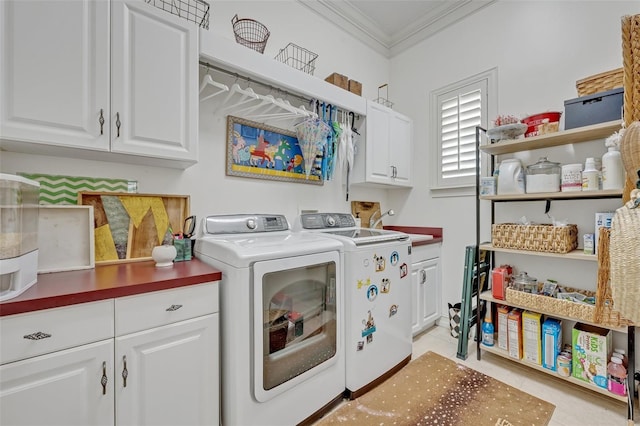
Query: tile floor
x=574 y=406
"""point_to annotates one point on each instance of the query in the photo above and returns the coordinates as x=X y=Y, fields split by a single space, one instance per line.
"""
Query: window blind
x=459 y=116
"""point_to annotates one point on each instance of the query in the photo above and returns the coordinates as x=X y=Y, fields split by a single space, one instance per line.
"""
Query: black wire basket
x=192 y=10
x=298 y=58
x=250 y=33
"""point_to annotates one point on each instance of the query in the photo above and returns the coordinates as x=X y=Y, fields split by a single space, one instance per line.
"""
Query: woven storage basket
x=544 y=238
x=551 y=305
x=600 y=82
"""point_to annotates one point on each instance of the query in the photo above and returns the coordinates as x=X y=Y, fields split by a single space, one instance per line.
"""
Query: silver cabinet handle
x=104 y=379
x=118 y=123
x=37 y=336
x=101 y=121
x=423 y=276
x=125 y=372
x=173 y=308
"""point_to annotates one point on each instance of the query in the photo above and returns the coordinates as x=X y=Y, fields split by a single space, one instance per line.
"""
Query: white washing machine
x=378 y=338
x=281 y=319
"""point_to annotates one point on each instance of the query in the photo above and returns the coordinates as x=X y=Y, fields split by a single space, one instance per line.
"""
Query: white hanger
x=267 y=100
x=247 y=95
x=208 y=81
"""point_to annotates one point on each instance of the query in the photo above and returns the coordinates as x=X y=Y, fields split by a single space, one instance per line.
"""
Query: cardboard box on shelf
x=514 y=329
x=591 y=350
x=532 y=336
x=355 y=87
x=338 y=80
x=551 y=342
x=503 y=341
x=603 y=219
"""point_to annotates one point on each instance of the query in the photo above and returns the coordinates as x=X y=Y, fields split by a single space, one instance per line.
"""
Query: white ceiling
x=391 y=26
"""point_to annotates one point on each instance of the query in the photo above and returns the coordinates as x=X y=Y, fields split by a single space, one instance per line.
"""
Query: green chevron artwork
x=60 y=189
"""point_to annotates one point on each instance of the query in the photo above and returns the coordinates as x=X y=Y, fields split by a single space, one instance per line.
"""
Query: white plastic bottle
x=590 y=176
x=612 y=169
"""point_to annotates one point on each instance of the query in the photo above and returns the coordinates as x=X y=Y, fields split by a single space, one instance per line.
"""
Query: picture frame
x=259 y=151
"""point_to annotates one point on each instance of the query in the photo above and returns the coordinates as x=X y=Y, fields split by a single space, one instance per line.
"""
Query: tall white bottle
x=612 y=169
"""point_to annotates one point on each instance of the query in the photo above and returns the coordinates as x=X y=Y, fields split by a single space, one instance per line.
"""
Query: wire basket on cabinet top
x=192 y=10
x=298 y=57
x=250 y=33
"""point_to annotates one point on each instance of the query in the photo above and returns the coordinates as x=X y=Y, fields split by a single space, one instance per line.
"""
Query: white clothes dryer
x=281 y=319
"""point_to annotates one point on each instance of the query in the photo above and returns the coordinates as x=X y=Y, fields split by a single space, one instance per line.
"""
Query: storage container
x=338 y=80
x=601 y=82
x=533 y=121
x=542 y=238
x=355 y=87
x=543 y=176
x=593 y=109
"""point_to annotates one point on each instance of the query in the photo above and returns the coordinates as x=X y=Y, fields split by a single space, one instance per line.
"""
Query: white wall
x=540 y=49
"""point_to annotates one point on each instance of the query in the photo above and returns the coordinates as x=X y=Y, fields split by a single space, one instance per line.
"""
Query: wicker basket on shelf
x=600 y=82
x=551 y=305
x=541 y=238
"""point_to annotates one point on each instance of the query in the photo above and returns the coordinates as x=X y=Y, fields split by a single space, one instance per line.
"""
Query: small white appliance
x=18 y=234
x=378 y=339
x=281 y=319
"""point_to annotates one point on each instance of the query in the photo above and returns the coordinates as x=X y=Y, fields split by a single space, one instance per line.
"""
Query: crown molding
x=351 y=19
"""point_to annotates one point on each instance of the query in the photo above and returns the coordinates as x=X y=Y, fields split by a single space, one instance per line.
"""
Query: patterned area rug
x=433 y=390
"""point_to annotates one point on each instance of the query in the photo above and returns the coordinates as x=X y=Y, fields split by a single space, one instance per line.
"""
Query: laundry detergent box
x=532 y=336
x=551 y=342
x=591 y=351
x=514 y=331
x=503 y=312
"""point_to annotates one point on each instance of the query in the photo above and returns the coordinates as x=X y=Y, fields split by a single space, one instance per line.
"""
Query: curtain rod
x=270 y=87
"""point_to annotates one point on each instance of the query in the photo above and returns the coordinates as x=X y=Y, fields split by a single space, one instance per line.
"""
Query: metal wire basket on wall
x=250 y=33
x=192 y=10
x=298 y=57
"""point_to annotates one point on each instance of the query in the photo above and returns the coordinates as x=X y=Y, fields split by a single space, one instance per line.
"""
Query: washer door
x=297 y=323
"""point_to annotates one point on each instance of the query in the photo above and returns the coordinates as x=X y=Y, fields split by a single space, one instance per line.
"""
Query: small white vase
x=164 y=255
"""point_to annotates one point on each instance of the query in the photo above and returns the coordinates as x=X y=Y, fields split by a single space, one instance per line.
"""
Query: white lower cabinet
x=149 y=359
x=60 y=388
x=425 y=287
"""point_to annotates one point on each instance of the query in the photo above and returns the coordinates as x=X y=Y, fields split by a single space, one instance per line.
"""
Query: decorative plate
x=508 y=131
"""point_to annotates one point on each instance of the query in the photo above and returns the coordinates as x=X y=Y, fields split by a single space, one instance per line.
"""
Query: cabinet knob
x=104 y=379
x=423 y=276
x=173 y=308
x=37 y=336
x=125 y=372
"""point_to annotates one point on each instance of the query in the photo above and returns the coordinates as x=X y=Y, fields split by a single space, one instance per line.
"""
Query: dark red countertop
x=424 y=230
x=107 y=282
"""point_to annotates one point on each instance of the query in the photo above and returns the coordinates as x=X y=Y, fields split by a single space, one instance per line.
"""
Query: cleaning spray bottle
x=487 y=327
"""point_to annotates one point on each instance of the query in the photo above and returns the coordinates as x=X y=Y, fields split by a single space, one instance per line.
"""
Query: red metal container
x=534 y=120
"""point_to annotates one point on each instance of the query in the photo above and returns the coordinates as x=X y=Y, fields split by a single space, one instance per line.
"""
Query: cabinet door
x=60 y=388
x=377 y=167
x=172 y=374
x=54 y=72
x=154 y=109
x=400 y=149
x=430 y=283
x=416 y=311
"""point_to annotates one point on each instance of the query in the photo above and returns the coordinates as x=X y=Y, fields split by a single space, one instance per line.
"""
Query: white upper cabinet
x=154 y=98
x=55 y=72
x=116 y=76
x=388 y=147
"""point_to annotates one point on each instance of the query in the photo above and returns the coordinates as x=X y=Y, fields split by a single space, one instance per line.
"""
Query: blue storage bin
x=593 y=109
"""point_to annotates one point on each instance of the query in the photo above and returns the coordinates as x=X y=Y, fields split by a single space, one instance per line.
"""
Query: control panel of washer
x=245 y=223
x=327 y=220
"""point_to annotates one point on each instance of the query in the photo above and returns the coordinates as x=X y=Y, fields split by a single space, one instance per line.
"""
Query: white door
x=377 y=167
x=400 y=149
x=54 y=72
x=154 y=103
x=169 y=375
x=60 y=388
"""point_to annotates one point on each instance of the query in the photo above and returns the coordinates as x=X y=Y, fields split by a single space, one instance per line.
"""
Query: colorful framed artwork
x=259 y=151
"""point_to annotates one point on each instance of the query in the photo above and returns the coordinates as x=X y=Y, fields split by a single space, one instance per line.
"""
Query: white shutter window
x=460 y=108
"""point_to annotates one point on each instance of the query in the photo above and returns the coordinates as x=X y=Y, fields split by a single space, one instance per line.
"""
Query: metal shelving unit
x=579 y=135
